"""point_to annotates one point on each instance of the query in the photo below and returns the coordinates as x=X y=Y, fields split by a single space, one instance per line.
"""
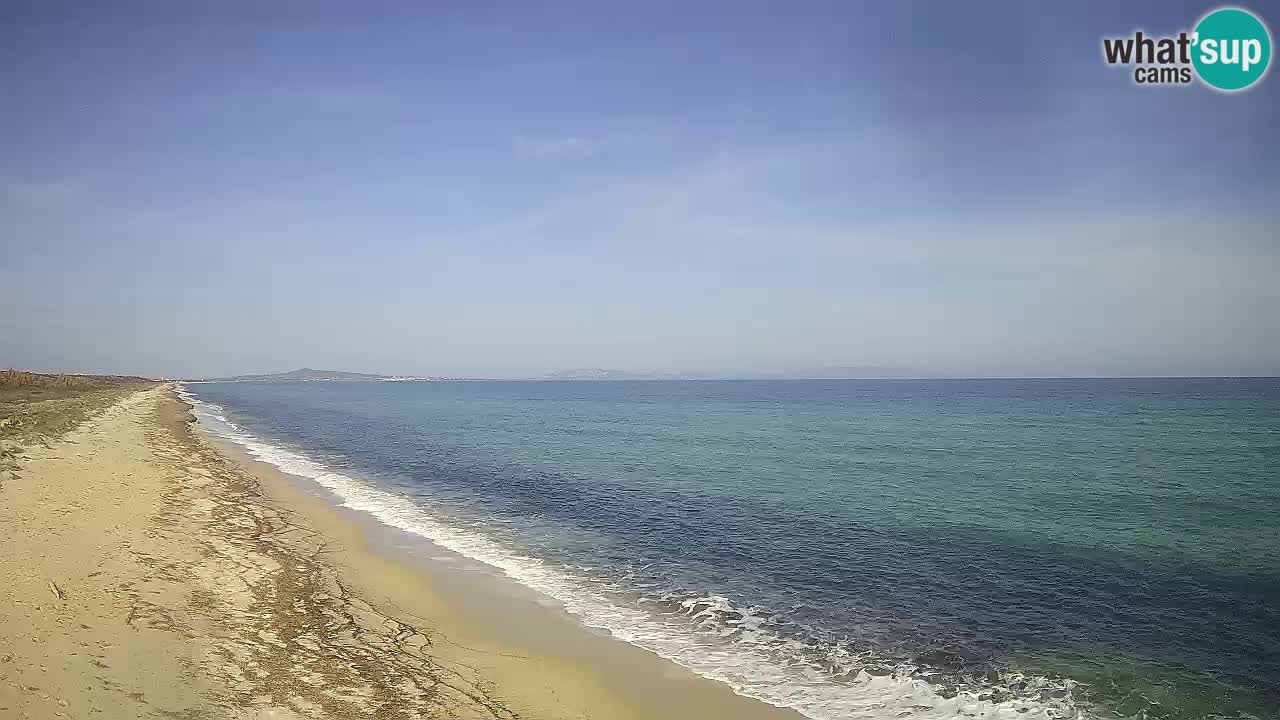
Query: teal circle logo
x=1231 y=49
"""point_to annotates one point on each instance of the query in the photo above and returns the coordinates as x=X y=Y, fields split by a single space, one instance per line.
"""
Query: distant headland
x=828 y=373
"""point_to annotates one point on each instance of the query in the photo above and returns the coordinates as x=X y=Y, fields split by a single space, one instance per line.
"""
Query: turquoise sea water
x=1014 y=548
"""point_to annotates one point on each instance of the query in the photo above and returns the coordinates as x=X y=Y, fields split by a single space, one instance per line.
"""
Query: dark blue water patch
x=953 y=525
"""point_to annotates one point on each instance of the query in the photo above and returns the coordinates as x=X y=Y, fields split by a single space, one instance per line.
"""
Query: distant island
x=310 y=375
x=597 y=374
x=821 y=373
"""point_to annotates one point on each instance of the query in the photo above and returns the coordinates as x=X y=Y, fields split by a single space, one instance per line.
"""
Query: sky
x=507 y=189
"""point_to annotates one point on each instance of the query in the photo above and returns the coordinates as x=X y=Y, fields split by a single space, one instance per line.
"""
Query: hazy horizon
x=626 y=374
x=728 y=189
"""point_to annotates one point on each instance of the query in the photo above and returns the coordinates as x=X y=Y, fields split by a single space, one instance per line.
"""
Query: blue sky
x=510 y=189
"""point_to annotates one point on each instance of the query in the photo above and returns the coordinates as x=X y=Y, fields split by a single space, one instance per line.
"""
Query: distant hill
x=825 y=373
x=822 y=373
x=849 y=373
x=594 y=374
x=305 y=375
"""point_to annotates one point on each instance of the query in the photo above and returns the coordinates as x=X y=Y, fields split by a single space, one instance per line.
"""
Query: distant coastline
x=598 y=374
x=608 y=375
x=310 y=375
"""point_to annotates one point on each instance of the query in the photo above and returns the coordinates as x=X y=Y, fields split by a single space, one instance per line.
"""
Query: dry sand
x=148 y=573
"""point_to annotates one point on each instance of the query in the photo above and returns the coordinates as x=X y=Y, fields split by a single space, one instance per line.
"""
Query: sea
x=1047 y=548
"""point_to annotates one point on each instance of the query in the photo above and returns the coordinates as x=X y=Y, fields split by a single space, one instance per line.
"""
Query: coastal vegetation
x=39 y=407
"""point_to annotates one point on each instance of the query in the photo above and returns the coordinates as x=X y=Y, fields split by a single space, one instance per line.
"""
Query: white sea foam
x=693 y=638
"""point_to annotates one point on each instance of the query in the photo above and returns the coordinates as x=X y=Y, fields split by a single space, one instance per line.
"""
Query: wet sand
x=152 y=573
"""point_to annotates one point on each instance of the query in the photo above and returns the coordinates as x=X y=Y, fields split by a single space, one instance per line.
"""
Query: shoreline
x=157 y=573
x=486 y=610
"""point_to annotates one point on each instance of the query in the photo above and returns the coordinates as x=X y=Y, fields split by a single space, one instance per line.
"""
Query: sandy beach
x=150 y=573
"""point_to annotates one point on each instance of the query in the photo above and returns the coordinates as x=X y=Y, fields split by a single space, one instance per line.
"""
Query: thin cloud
x=51 y=194
x=555 y=148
